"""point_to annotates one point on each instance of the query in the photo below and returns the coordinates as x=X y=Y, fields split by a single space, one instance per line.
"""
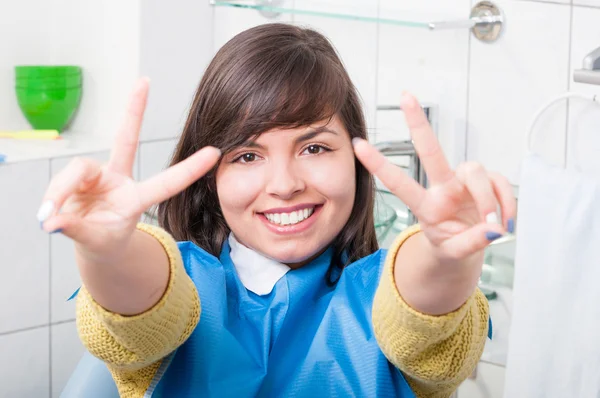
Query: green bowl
x=50 y=109
x=49 y=83
x=43 y=71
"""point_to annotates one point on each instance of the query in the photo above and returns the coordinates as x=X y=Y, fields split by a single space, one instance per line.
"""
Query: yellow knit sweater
x=435 y=353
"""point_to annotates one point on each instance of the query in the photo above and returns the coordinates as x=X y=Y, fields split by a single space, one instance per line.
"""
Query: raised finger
x=508 y=204
x=178 y=177
x=125 y=146
x=474 y=239
x=426 y=144
x=474 y=177
x=394 y=178
x=65 y=183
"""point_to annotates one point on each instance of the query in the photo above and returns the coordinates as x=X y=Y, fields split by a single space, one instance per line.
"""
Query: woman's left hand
x=457 y=213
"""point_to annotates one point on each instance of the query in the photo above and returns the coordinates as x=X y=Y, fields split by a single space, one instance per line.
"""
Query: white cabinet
x=486 y=382
x=23 y=247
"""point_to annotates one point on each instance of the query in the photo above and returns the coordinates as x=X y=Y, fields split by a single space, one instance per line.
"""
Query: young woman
x=277 y=286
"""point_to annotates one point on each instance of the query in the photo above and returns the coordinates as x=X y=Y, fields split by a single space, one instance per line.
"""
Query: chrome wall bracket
x=486 y=22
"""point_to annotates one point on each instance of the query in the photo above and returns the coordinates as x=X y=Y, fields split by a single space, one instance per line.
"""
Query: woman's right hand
x=98 y=206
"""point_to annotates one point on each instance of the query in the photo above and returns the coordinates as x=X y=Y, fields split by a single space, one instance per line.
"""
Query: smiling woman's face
x=290 y=192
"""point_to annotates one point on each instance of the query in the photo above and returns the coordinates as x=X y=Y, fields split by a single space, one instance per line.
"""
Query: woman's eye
x=315 y=149
x=246 y=158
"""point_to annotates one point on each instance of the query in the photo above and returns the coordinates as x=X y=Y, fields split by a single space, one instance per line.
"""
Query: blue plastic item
x=91 y=379
x=304 y=339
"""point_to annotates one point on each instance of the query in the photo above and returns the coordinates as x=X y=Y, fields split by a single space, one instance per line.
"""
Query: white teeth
x=291 y=218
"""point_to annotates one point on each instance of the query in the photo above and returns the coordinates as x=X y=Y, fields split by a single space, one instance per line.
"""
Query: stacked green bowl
x=48 y=95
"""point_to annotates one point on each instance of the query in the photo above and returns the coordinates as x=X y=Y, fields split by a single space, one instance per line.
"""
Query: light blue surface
x=90 y=379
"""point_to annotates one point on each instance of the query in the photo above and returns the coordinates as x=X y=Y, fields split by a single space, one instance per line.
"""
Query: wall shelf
x=486 y=19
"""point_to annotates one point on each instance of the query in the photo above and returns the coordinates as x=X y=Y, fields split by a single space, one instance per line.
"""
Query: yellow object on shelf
x=31 y=134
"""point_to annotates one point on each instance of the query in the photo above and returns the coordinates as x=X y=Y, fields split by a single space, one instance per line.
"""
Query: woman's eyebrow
x=312 y=134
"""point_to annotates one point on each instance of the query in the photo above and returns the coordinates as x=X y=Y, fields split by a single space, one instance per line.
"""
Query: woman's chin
x=294 y=259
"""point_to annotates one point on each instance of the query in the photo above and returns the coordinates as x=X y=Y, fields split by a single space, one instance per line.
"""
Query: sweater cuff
x=148 y=336
x=397 y=312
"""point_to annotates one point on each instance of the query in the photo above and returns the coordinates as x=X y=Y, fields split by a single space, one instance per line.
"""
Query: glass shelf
x=366 y=13
x=485 y=20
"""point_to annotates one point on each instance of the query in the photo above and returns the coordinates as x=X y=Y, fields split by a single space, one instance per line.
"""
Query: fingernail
x=58 y=231
x=491 y=218
x=45 y=211
x=491 y=236
x=219 y=153
x=511 y=225
x=356 y=140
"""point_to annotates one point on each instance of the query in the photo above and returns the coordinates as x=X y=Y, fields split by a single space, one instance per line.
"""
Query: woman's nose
x=284 y=181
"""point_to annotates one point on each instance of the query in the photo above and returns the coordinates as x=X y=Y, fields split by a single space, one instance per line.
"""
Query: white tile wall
x=176 y=46
x=511 y=78
x=584 y=117
x=590 y=3
x=356 y=43
x=230 y=21
x=24 y=23
x=23 y=247
x=155 y=157
x=66 y=351
x=24 y=364
x=103 y=38
x=547 y=1
x=433 y=65
x=64 y=276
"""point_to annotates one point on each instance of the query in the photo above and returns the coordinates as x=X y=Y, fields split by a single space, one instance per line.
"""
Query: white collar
x=258 y=273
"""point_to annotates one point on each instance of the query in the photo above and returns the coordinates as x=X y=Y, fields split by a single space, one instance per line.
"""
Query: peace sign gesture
x=99 y=206
x=457 y=213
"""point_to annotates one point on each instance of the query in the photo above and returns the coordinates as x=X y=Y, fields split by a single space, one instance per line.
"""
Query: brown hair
x=270 y=76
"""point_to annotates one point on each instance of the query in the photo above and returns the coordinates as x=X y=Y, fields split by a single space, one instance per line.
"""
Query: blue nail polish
x=511 y=225
x=58 y=231
x=492 y=236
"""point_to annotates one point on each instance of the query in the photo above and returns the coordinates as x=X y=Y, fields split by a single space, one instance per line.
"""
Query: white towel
x=554 y=342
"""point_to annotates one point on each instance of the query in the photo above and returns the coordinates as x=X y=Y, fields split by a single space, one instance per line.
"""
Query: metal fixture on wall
x=486 y=22
x=590 y=70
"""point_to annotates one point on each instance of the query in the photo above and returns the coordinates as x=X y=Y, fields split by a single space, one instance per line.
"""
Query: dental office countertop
x=70 y=144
